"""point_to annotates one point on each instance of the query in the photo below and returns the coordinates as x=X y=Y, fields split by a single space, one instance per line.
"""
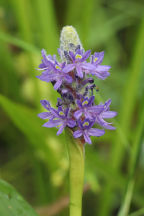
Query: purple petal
x=91 y=100
x=71 y=123
x=57 y=84
x=55 y=112
x=45 y=104
x=44 y=115
x=86 y=55
x=79 y=103
x=79 y=71
x=101 y=75
x=59 y=51
x=96 y=132
x=102 y=68
x=96 y=109
x=109 y=127
x=88 y=66
x=68 y=78
x=88 y=115
x=78 y=114
x=105 y=124
x=67 y=111
x=45 y=60
x=100 y=56
x=68 y=68
x=72 y=56
x=107 y=104
x=77 y=133
x=42 y=65
x=109 y=114
x=52 y=123
x=46 y=76
x=61 y=129
x=87 y=138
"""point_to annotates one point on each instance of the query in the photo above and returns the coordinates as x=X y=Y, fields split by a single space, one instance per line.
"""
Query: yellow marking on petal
x=78 y=56
x=57 y=67
x=95 y=59
x=86 y=124
x=85 y=102
x=58 y=126
x=61 y=113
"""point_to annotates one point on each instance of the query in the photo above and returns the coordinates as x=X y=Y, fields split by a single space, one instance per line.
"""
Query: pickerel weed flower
x=73 y=78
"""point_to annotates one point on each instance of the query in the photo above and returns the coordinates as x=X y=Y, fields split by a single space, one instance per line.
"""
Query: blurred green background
x=32 y=158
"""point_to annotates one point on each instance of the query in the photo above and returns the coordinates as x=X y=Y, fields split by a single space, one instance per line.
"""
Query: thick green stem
x=76 y=174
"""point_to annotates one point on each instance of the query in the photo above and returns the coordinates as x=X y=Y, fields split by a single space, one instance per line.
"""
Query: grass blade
x=129 y=101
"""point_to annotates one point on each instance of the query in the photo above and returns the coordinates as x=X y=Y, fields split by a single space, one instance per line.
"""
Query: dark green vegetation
x=34 y=159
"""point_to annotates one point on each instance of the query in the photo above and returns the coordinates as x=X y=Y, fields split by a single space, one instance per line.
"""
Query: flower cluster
x=72 y=77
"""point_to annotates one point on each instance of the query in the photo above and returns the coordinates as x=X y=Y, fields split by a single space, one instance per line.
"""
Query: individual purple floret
x=71 y=78
x=58 y=118
x=87 y=108
x=46 y=115
x=53 y=71
x=97 y=58
x=86 y=130
x=79 y=63
x=105 y=114
x=101 y=71
x=45 y=60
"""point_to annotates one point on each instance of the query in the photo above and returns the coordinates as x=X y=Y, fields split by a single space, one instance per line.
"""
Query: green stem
x=76 y=174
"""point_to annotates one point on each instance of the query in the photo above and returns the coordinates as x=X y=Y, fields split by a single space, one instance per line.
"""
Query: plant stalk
x=76 y=173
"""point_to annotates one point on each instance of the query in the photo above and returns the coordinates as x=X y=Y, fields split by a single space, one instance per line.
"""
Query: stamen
x=61 y=113
x=78 y=56
x=85 y=102
x=95 y=59
x=85 y=124
x=57 y=67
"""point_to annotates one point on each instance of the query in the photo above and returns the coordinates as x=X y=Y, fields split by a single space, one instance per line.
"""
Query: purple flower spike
x=105 y=113
x=72 y=78
x=86 y=130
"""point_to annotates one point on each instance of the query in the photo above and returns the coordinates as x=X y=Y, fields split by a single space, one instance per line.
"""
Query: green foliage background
x=32 y=158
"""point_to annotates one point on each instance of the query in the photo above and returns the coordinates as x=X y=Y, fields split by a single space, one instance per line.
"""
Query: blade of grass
x=140 y=212
x=133 y=165
x=80 y=18
x=129 y=100
x=9 y=80
x=6 y=37
x=119 y=130
x=85 y=19
x=47 y=25
x=27 y=121
x=23 y=12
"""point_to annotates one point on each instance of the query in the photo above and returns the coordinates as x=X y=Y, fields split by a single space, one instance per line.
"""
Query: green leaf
x=11 y=203
x=6 y=37
x=140 y=212
x=27 y=121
